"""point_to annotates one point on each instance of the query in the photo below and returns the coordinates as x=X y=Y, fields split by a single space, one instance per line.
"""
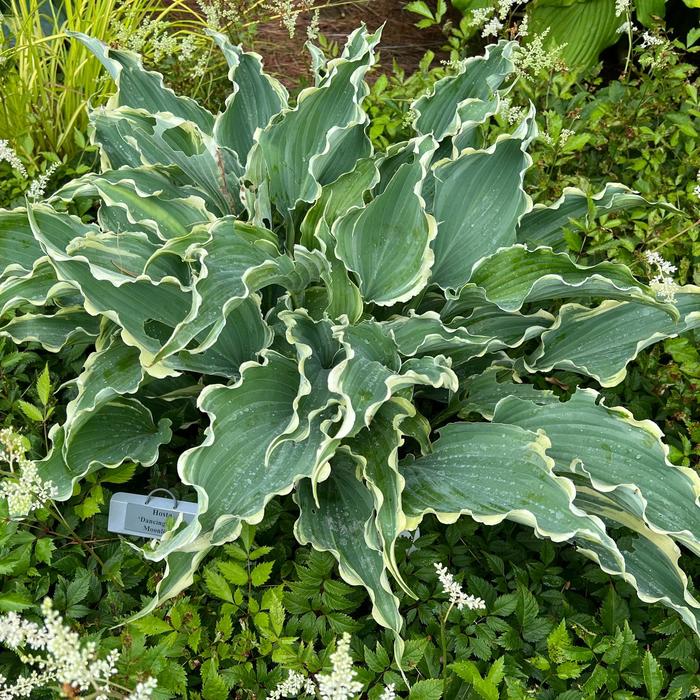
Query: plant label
x=145 y=515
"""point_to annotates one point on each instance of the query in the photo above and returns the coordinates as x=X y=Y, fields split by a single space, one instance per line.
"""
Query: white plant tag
x=145 y=515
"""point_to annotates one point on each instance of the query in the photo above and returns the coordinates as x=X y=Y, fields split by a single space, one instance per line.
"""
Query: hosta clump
x=338 y=320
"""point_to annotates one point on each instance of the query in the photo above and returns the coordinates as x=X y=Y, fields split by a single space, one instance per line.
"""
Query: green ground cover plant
x=263 y=607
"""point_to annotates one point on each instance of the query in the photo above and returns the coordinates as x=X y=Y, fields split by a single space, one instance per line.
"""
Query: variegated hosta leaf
x=255 y=99
x=477 y=78
x=337 y=198
x=133 y=138
x=145 y=309
x=318 y=350
x=485 y=390
x=229 y=471
x=242 y=337
x=112 y=370
x=293 y=152
x=18 y=247
x=340 y=523
x=142 y=89
x=544 y=225
x=140 y=199
x=486 y=330
x=235 y=260
x=343 y=296
x=118 y=430
x=495 y=472
x=600 y=342
x=53 y=332
x=372 y=372
x=651 y=559
x=377 y=449
x=492 y=474
x=516 y=275
x=479 y=198
x=617 y=453
x=368 y=238
x=36 y=287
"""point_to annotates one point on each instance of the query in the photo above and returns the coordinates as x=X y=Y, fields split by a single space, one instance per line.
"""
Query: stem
x=77 y=537
x=673 y=238
x=443 y=642
x=629 y=44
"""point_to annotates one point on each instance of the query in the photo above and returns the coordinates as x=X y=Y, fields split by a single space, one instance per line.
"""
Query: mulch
x=402 y=41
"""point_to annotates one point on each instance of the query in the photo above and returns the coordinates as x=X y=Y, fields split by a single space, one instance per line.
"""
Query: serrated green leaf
x=261 y=573
x=426 y=690
x=43 y=386
x=653 y=676
x=233 y=572
x=217 y=585
x=30 y=411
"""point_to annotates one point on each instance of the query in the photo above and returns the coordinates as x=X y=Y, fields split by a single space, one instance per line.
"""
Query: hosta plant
x=357 y=328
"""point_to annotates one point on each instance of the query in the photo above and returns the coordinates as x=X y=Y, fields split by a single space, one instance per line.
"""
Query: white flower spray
x=8 y=154
x=340 y=683
x=62 y=659
x=37 y=188
x=458 y=599
x=25 y=491
x=662 y=283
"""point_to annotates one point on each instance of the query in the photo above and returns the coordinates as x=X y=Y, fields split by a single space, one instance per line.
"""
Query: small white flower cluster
x=340 y=683
x=143 y=690
x=314 y=26
x=480 y=16
x=37 y=188
x=453 y=589
x=626 y=27
x=7 y=153
x=153 y=35
x=64 y=659
x=492 y=19
x=294 y=684
x=522 y=28
x=534 y=58
x=288 y=11
x=492 y=27
x=622 y=7
x=650 y=40
x=696 y=189
x=663 y=283
x=337 y=685
x=218 y=14
x=564 y=136
x=409 y=117
x=27 y=491
x=455 y=64
x=511 y=113
x=389 y=693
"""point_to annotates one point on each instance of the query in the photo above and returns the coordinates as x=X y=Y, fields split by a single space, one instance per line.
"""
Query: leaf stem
x=443 y=642
x=77 y=537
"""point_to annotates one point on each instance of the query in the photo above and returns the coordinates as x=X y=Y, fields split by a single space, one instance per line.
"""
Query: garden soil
x=402 y=41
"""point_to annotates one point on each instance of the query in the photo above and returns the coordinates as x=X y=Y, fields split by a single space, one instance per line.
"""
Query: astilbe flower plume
x=25 y=491
x=453 y=589
x=340 y=683
x=663 y=283
x=7 y=153
x=62 y=659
